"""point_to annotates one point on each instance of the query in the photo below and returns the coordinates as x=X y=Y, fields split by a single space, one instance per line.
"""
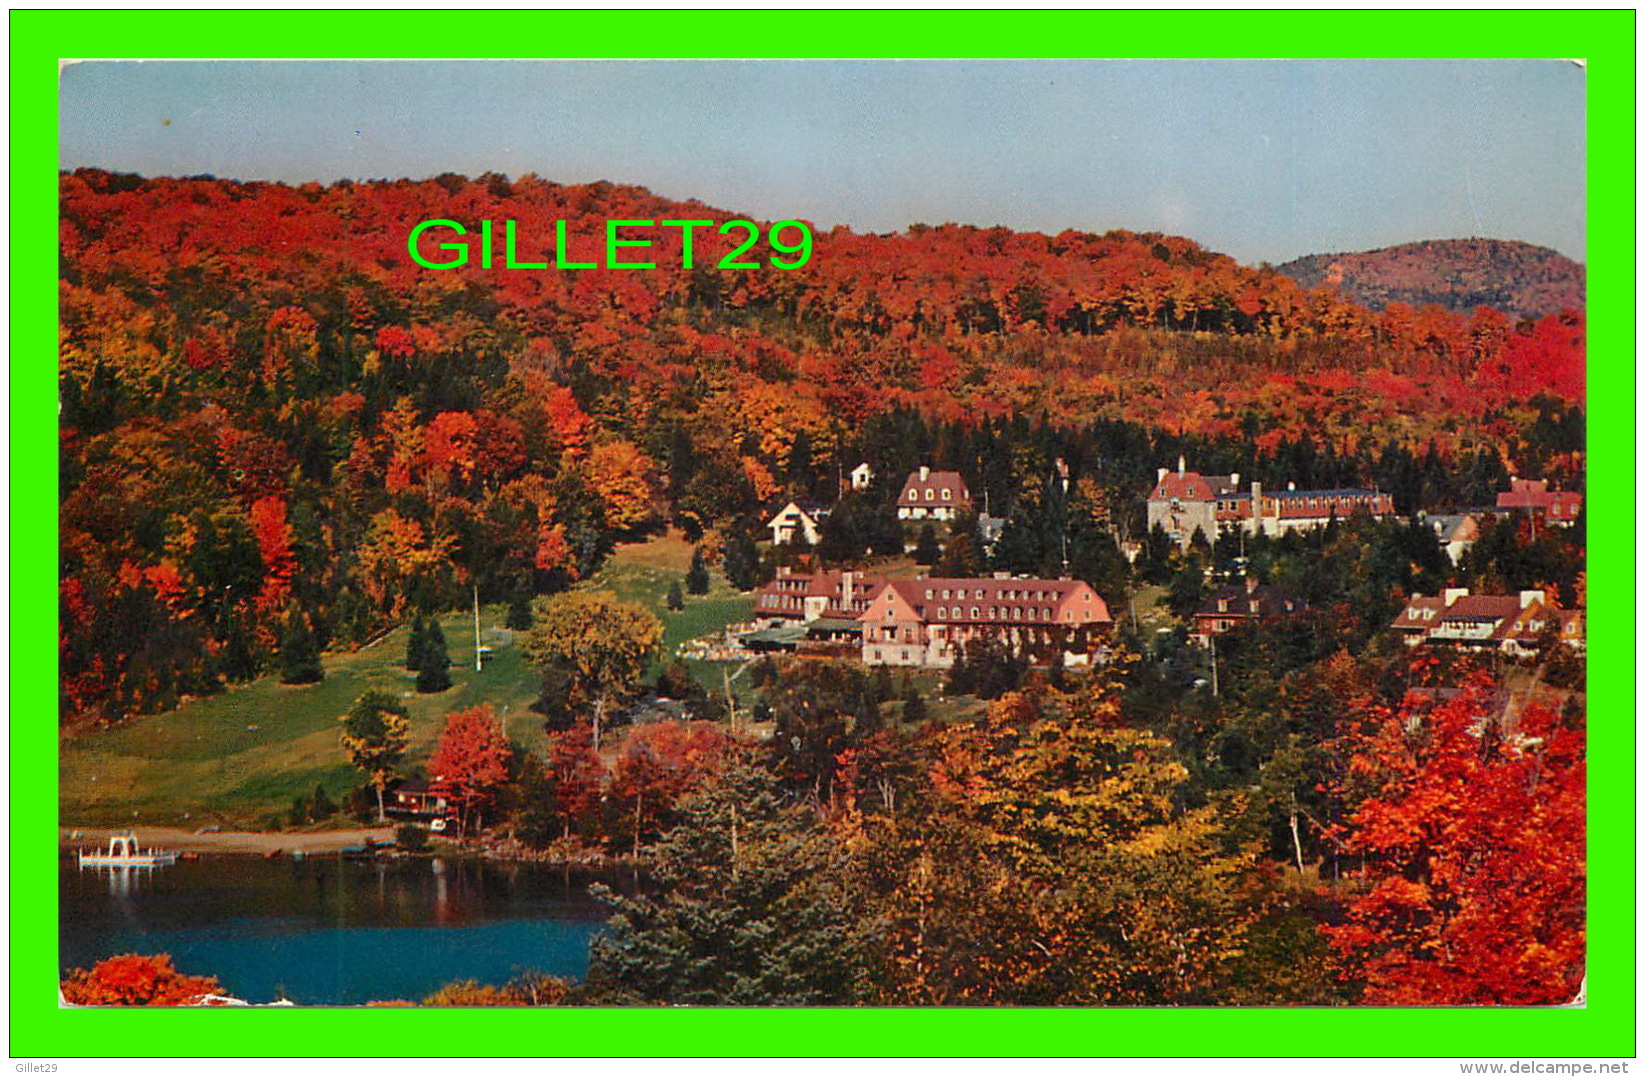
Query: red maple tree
x=1472 y=838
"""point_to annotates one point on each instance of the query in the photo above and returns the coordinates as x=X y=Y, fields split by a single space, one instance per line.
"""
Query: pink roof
x=1045 y=598
x=1184 y=486
x=1534 y=494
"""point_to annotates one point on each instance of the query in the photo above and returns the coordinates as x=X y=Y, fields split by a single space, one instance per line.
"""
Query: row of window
x=1005 y=595
x=998 y=613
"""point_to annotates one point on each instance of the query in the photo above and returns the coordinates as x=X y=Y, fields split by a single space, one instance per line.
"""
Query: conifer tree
x=434 y=667
x=696 y=579
x=299 y=654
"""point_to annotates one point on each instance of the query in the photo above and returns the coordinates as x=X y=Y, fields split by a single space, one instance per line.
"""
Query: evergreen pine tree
x=299 y=654
x=696 y=579
x=742 y=561
x=519 y=609
x=913 y=707
x=926 y=551
x=676 y=601
x=416 y=643
x=434 y=670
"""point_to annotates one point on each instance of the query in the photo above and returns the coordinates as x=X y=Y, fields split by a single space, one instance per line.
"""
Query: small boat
x=124 y=853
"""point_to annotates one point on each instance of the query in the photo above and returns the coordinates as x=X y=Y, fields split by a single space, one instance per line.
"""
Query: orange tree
x=135 y=980
x=472 y=755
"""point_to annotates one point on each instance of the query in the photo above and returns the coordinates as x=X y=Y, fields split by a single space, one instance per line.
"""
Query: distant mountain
x=1457 y=274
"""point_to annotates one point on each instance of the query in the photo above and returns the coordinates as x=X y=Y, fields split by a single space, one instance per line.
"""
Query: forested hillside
x=1519 y=279
x=279 y=432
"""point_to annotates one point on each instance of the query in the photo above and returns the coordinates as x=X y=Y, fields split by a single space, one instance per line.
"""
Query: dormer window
x=930 y=494
x=946 y=494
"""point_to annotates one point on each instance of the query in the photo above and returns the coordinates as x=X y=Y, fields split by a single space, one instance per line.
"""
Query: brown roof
x=785 y=596
x=1411 y=615
x=1264 y=600
x=913 y=491
x=1482 y=608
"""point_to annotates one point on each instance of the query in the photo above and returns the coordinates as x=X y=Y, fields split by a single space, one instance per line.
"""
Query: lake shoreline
x=269 y=842
x=179 y=840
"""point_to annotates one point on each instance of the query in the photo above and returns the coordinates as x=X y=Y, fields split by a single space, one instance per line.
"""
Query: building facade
x=933 y=495
x=1244 y=603
x=1185 y=502
x=1512 y=624
x=807 y=596
x=924 y=622
x=796 y=522
x=1532 y=496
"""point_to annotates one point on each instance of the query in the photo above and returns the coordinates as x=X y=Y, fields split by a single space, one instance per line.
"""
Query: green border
x=1605 y=1028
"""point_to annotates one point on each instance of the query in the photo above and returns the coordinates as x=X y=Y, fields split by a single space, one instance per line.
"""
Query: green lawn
x=232 y=758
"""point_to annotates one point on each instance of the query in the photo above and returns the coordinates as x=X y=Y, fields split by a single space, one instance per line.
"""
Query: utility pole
x=1214 y=685
x=477 y=662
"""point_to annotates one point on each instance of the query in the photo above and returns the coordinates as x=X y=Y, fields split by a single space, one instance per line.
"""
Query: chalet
x=1184 y=502
x=418 y=798
x=803 y=597
x=795 y=522
x=1246 y=603
x=1511 y=624
x=861 y=476
x=933 y=495
x=923 y=622
x=1532 y=496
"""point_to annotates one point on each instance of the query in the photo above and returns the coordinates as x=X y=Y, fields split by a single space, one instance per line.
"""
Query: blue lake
x=328 y=931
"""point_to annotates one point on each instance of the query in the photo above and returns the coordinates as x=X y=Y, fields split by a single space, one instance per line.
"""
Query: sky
x=1262 y=160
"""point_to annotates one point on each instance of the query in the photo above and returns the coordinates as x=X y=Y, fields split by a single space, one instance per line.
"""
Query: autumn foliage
x=135 y=980
x=1472 y=835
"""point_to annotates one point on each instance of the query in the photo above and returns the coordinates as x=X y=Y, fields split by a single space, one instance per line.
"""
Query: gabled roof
x=1007 y=594
x=1265 y=600
x=1412 y=616
x=1482 y=608
x=913 y=491
x=1191 y=486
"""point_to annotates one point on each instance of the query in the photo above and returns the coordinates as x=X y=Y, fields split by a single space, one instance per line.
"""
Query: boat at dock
x=123 y=852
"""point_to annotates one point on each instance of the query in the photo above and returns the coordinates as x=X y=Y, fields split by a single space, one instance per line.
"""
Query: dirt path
x=176 y=839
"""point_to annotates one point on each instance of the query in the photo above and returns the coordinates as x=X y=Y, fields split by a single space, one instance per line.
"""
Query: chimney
x=1454 y=593
x=1164 y=471
x=925 y=473
x=1233 y=480
x=1291 y=486
x=848 y=580
x=1182 y=465
x=1250 y=585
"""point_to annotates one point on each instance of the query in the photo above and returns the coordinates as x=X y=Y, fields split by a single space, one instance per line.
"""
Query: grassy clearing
x=235 y=757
